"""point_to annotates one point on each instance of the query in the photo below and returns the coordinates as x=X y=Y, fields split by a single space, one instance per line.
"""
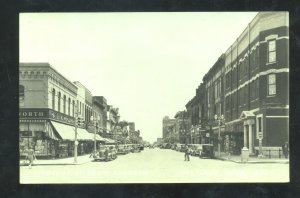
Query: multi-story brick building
x=168 y=129
x=249 y=85
x=47 y=111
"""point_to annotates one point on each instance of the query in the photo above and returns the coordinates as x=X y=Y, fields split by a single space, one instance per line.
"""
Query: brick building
x=249 y=85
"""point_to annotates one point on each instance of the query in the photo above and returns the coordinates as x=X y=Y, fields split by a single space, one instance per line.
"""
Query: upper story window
x=69 y=106
x=271 y=84
x=58 y=102
x=21 y=95
x=272 y=51
x=53 y=99
x=64 y=107
x=73 y=108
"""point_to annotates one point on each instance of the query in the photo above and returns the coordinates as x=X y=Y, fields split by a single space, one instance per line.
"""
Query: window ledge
x=271 y=63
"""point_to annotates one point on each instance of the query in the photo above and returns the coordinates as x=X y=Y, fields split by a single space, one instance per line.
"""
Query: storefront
x=52 y=134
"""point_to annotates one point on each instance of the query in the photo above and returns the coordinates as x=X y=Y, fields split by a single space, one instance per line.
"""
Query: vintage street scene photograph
x=154 y=97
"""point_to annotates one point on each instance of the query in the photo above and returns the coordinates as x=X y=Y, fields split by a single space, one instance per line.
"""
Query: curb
x=49 y=164
x=254 y=162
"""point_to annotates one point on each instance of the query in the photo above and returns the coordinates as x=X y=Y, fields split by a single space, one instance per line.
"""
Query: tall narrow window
x=271 y=84
x=21 y=95
x=272 y=51
x=58 y=102
x=53 y=99
x=259 y=124
x=73 y=108
x=69 y=104
x=64 y=104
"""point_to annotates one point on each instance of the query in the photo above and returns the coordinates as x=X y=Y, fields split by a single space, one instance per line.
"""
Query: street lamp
x=94 y=121
x=220 y=120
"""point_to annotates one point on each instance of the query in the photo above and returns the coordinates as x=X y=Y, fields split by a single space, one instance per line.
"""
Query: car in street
x=194 y=149
x=178 y=147
x=103 y=154
x=113 y=152
x=207 y=151
x=121 y=149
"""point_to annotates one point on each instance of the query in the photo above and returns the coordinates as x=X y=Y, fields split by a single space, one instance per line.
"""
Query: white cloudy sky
x=147 y=64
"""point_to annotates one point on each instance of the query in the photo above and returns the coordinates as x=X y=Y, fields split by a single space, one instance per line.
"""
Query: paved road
x=156 y=166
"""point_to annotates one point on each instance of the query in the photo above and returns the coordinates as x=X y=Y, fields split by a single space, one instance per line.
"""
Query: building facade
x=168 y=129
x=249 y=86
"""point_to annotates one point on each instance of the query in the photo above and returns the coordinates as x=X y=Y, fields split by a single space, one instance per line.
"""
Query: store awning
x=67 y=132
x=107 y=140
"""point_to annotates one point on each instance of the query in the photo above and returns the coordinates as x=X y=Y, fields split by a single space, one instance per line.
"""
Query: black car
x=207 y=151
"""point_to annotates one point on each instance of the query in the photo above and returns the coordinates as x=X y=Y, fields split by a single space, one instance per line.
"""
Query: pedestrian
x=285 y=149
x=30 y=156
x=186 y=153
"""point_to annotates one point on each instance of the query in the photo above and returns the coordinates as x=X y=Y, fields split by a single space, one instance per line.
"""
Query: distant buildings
x=49 y=104
x=248 y=85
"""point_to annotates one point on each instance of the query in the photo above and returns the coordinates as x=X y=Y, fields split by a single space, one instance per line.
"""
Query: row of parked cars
x=111 y=152
x=201 y=150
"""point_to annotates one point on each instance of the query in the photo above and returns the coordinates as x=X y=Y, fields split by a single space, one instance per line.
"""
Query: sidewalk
x=252 y=159
x=65 y=161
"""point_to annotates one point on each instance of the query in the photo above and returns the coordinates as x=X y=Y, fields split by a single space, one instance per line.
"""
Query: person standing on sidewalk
x=285 y=149
x=186 y=153
x=30 y=156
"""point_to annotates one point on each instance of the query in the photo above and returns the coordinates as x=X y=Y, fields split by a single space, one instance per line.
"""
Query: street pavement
x=157 y=166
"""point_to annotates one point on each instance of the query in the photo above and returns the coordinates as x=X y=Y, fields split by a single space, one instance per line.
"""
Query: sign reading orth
x=38 y=115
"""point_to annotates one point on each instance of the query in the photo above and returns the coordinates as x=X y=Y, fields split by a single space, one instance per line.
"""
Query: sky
x=146 y=64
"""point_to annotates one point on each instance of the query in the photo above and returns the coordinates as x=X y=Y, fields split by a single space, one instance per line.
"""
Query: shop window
x=21 y=96
x=271 y=84
x=272 y=51
x=53 y=99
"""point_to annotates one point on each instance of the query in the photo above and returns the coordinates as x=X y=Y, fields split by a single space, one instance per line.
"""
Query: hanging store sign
x=54 y=115
x=41 y=115
x=33 y=113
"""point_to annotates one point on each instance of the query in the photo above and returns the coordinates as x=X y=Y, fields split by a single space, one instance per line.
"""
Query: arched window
x=58 y=104
x=64 y=108
x=73 y=109
x=53 y=99
x=21 y=95
x=69 y=106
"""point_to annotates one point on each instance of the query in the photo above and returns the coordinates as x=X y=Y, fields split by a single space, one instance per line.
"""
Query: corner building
x=47 y=102
x=256 y=81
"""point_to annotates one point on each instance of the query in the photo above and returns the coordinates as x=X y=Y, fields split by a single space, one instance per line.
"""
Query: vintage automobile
x=141 y=147
x=182 y=148
x=207 y=151
x=103 y=154
x=178 y=147
x=122 y=150
x=135 y=148
x=195 y=149
x=113 y=151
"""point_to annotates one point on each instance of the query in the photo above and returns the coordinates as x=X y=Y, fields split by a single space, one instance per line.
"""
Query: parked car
x=178 y=147
x=121 y=149
x=103 y=154
x=194 y=149
x=207 y=151
x=113 y=151
x=182 y=148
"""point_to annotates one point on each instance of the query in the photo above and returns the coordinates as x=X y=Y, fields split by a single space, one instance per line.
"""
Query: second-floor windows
x=272 y=51
x=271 y=84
